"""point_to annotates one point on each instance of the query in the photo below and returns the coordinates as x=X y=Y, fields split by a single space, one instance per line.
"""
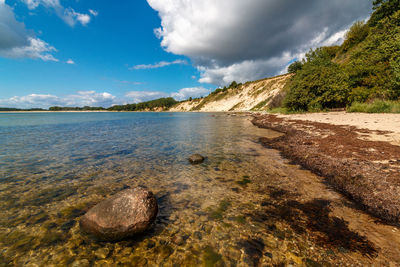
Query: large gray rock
x=125 y=214
x=196 y=159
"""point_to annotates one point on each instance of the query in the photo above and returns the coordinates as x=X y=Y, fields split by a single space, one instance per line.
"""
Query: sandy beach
x=358 y=154
x=389 y=123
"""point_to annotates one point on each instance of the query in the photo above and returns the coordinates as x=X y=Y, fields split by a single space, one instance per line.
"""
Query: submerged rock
x=196 y=159
x=125 y=214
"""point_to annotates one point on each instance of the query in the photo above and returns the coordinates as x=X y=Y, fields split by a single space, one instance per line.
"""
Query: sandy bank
x=390 y=123
x=348 y=151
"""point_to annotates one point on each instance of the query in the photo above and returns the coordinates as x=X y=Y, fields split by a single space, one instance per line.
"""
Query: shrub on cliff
x=295 y=66
x=320 y=84
x=374 y=65
x=383 y=9
x=356 y=34
x=364 y=68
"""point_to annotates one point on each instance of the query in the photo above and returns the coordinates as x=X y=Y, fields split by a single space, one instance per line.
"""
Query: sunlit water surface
x=244 y=206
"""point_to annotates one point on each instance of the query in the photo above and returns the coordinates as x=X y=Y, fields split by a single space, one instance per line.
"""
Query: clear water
x=243 y=206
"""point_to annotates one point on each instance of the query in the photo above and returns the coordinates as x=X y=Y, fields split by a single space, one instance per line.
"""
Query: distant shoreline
x=48 y=111
x=122 y=111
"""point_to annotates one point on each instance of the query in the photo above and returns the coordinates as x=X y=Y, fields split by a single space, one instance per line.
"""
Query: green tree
x=233 y=84
x=383 y=9
x=295 y=66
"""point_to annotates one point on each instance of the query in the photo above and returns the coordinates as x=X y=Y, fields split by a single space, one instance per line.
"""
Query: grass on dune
x=378 y=106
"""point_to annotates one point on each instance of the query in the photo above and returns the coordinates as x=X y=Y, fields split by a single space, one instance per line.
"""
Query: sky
x=103 y=53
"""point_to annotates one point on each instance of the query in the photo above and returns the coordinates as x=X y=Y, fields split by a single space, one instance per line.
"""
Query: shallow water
x=244 y=206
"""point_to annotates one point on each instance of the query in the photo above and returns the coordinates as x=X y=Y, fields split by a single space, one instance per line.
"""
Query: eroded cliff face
x=257 y=95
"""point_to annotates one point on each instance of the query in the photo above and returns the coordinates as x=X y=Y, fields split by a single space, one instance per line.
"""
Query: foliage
x=233 y=85
x=295 y=66
x=85 y=108
x=356 y=34
x=383 y=9
x=219 y=90
x=18 y=109
x=163 y=103
x=260 y=105
x=370 y=69
x=377 y=106
x=320 y=84
x=374 y=66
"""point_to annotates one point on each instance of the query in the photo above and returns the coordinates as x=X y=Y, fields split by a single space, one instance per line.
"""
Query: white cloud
x=95 y=99
x=182 y=94
x=141 y=96
x=70 y=61
x=31 y=101
x=12 y=32
x=243 y=71
x=80 y=99
x=226 y=36
x=93 y=12
x=32 y=4
x=159 y=64
x=17 y=42
x=89 y=98
x=130 y=82
x=69 y=15
x=37 y=49
x=194 y=92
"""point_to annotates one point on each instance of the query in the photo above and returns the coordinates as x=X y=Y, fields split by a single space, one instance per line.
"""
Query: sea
x=245 y=205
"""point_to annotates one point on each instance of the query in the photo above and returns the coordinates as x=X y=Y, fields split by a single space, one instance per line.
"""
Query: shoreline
x=350 y=159
x=114 y=111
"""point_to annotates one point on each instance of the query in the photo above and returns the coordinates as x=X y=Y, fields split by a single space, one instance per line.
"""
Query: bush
x=374 y=65
x=383 y=9
x=370 y=68
x=233 y=85
x=295 y=66
x=356 y=34
x=377 y=106
x=320 y=84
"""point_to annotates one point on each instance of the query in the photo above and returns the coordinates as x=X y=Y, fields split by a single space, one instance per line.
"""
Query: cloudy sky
x=100 y=53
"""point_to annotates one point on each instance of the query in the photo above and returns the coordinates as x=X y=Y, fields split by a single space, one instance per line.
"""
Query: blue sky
x=98 y=52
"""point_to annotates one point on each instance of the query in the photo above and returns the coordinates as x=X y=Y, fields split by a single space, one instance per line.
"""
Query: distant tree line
x=57 y=108
x=163 y=103
x=19 y=109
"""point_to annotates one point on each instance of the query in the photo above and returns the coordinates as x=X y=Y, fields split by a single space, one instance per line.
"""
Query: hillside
x=257 y=95
x=362 y=74
x=364 y=69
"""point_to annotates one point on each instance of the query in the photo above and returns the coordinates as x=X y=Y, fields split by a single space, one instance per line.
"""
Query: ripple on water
x=243 y=206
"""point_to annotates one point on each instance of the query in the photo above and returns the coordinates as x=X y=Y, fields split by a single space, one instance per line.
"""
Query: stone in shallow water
x=102 y=253
x=125 y=214
x=196 y=159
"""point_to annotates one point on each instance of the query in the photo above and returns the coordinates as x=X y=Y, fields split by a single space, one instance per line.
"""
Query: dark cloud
x=17 y=42
x=12 y=32
x=219 y=34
